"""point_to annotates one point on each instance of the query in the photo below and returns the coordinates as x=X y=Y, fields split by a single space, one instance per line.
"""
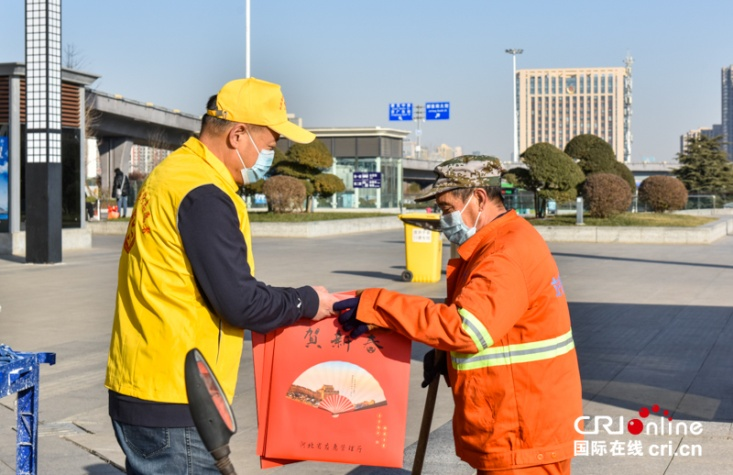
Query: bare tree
x=73 y=57
x=158 y=142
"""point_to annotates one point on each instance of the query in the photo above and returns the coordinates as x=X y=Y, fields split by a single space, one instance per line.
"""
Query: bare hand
x=325 y=303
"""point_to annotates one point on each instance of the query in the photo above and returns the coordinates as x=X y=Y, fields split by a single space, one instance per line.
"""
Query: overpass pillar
x=114 y=152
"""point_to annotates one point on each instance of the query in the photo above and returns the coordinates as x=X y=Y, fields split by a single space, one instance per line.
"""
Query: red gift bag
x=326 y=397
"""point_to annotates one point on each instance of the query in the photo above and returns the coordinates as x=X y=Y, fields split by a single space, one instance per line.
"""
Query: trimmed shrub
x=312 y=155
x=595 y=155
x=623 y=171
x=253 y=188
x=606 y=195
x=412 y=188
x=327 y=184
x=663 y=193
x=285 y=194
x=551 y=174
x=309 y=187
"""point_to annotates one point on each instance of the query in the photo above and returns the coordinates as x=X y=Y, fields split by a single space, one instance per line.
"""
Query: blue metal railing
x=19 y=373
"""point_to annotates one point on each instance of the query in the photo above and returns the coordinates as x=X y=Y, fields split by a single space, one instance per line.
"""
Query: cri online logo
x=635 y=426
x=615 y=426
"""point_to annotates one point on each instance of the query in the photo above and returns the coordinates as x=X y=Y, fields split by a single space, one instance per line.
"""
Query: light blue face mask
x=453 y=227
x=261 y=166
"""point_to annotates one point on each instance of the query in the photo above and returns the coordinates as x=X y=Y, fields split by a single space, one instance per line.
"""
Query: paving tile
x=652 y=324
x=715 y=457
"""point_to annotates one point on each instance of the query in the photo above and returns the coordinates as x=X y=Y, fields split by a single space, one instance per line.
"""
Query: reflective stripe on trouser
x=511 y=354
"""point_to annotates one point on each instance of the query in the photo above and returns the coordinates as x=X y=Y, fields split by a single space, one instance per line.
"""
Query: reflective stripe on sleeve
x=511 y=354
x=475 y=329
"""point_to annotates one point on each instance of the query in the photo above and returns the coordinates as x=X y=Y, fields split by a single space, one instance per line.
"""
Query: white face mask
x=261 y=166
x=453 y=227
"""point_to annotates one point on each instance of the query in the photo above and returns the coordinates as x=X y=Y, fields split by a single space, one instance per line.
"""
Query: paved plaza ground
x=653 y=324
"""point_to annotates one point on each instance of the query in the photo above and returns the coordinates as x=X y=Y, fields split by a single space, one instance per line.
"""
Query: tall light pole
x=419 y=116
x=246 y=27
x=514 y=53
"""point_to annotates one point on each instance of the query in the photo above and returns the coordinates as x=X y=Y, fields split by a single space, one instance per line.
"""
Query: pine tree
x=705 y=166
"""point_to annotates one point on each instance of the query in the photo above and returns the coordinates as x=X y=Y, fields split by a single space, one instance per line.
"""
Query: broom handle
x=427 y=418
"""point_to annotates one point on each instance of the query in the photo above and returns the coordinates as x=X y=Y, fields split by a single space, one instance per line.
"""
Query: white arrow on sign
x=437 y=114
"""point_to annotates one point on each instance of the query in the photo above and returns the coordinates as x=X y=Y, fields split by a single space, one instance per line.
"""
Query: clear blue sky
x=342 y=62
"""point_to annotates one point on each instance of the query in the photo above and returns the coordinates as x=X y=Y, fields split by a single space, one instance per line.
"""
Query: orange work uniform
x=513 y=367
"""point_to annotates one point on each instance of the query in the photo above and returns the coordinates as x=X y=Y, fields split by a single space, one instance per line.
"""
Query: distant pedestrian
x=90 y=198
x=121 y=187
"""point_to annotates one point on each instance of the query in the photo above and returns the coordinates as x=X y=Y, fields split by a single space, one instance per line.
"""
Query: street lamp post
x=514 y=53
x=246 y=28
x=419 y=116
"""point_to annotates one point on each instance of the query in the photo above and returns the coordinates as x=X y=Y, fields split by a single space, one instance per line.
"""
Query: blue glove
x=348 y=320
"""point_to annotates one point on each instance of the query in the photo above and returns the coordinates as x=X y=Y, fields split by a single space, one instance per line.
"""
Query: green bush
x=253 y=188
x=595 y=155
x=308 y=162
x=413 y=188
x=606 y=194
x=311 y=155
x=284 y=194
x=327 y=184
x=623 y=171
x=663 y=193
x=309 y=187
x=551 y=174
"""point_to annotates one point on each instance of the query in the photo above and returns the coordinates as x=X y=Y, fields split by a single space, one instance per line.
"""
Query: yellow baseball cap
x=258 y=102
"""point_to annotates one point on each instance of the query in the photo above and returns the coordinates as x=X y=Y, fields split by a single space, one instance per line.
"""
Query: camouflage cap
x=467 y=171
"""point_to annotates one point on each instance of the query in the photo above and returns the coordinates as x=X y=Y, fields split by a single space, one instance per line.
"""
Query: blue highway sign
x=367 y=180
x=437 y=110
x=400 y=111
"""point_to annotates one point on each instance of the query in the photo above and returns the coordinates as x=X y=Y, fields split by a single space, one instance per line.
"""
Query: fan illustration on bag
x=337 y=387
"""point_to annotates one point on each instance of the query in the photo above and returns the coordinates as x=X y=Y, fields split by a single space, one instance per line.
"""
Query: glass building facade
x=364 y=149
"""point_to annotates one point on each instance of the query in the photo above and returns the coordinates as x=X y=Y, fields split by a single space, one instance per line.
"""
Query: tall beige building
x=555 y=105
x=444 y=152
x=143 y=158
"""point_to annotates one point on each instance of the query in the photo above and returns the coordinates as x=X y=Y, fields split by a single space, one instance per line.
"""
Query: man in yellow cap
x=186 y=279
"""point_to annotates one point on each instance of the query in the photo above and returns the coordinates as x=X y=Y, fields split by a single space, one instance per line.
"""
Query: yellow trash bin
x=423 y=247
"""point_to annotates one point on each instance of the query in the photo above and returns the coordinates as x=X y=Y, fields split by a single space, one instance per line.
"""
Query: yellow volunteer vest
x=160 y=314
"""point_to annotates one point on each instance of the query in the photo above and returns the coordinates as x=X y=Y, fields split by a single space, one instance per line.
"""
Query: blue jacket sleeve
x=215 y=247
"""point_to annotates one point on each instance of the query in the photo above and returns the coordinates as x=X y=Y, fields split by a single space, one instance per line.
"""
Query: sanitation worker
x=504 y=327
x=186 y=279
